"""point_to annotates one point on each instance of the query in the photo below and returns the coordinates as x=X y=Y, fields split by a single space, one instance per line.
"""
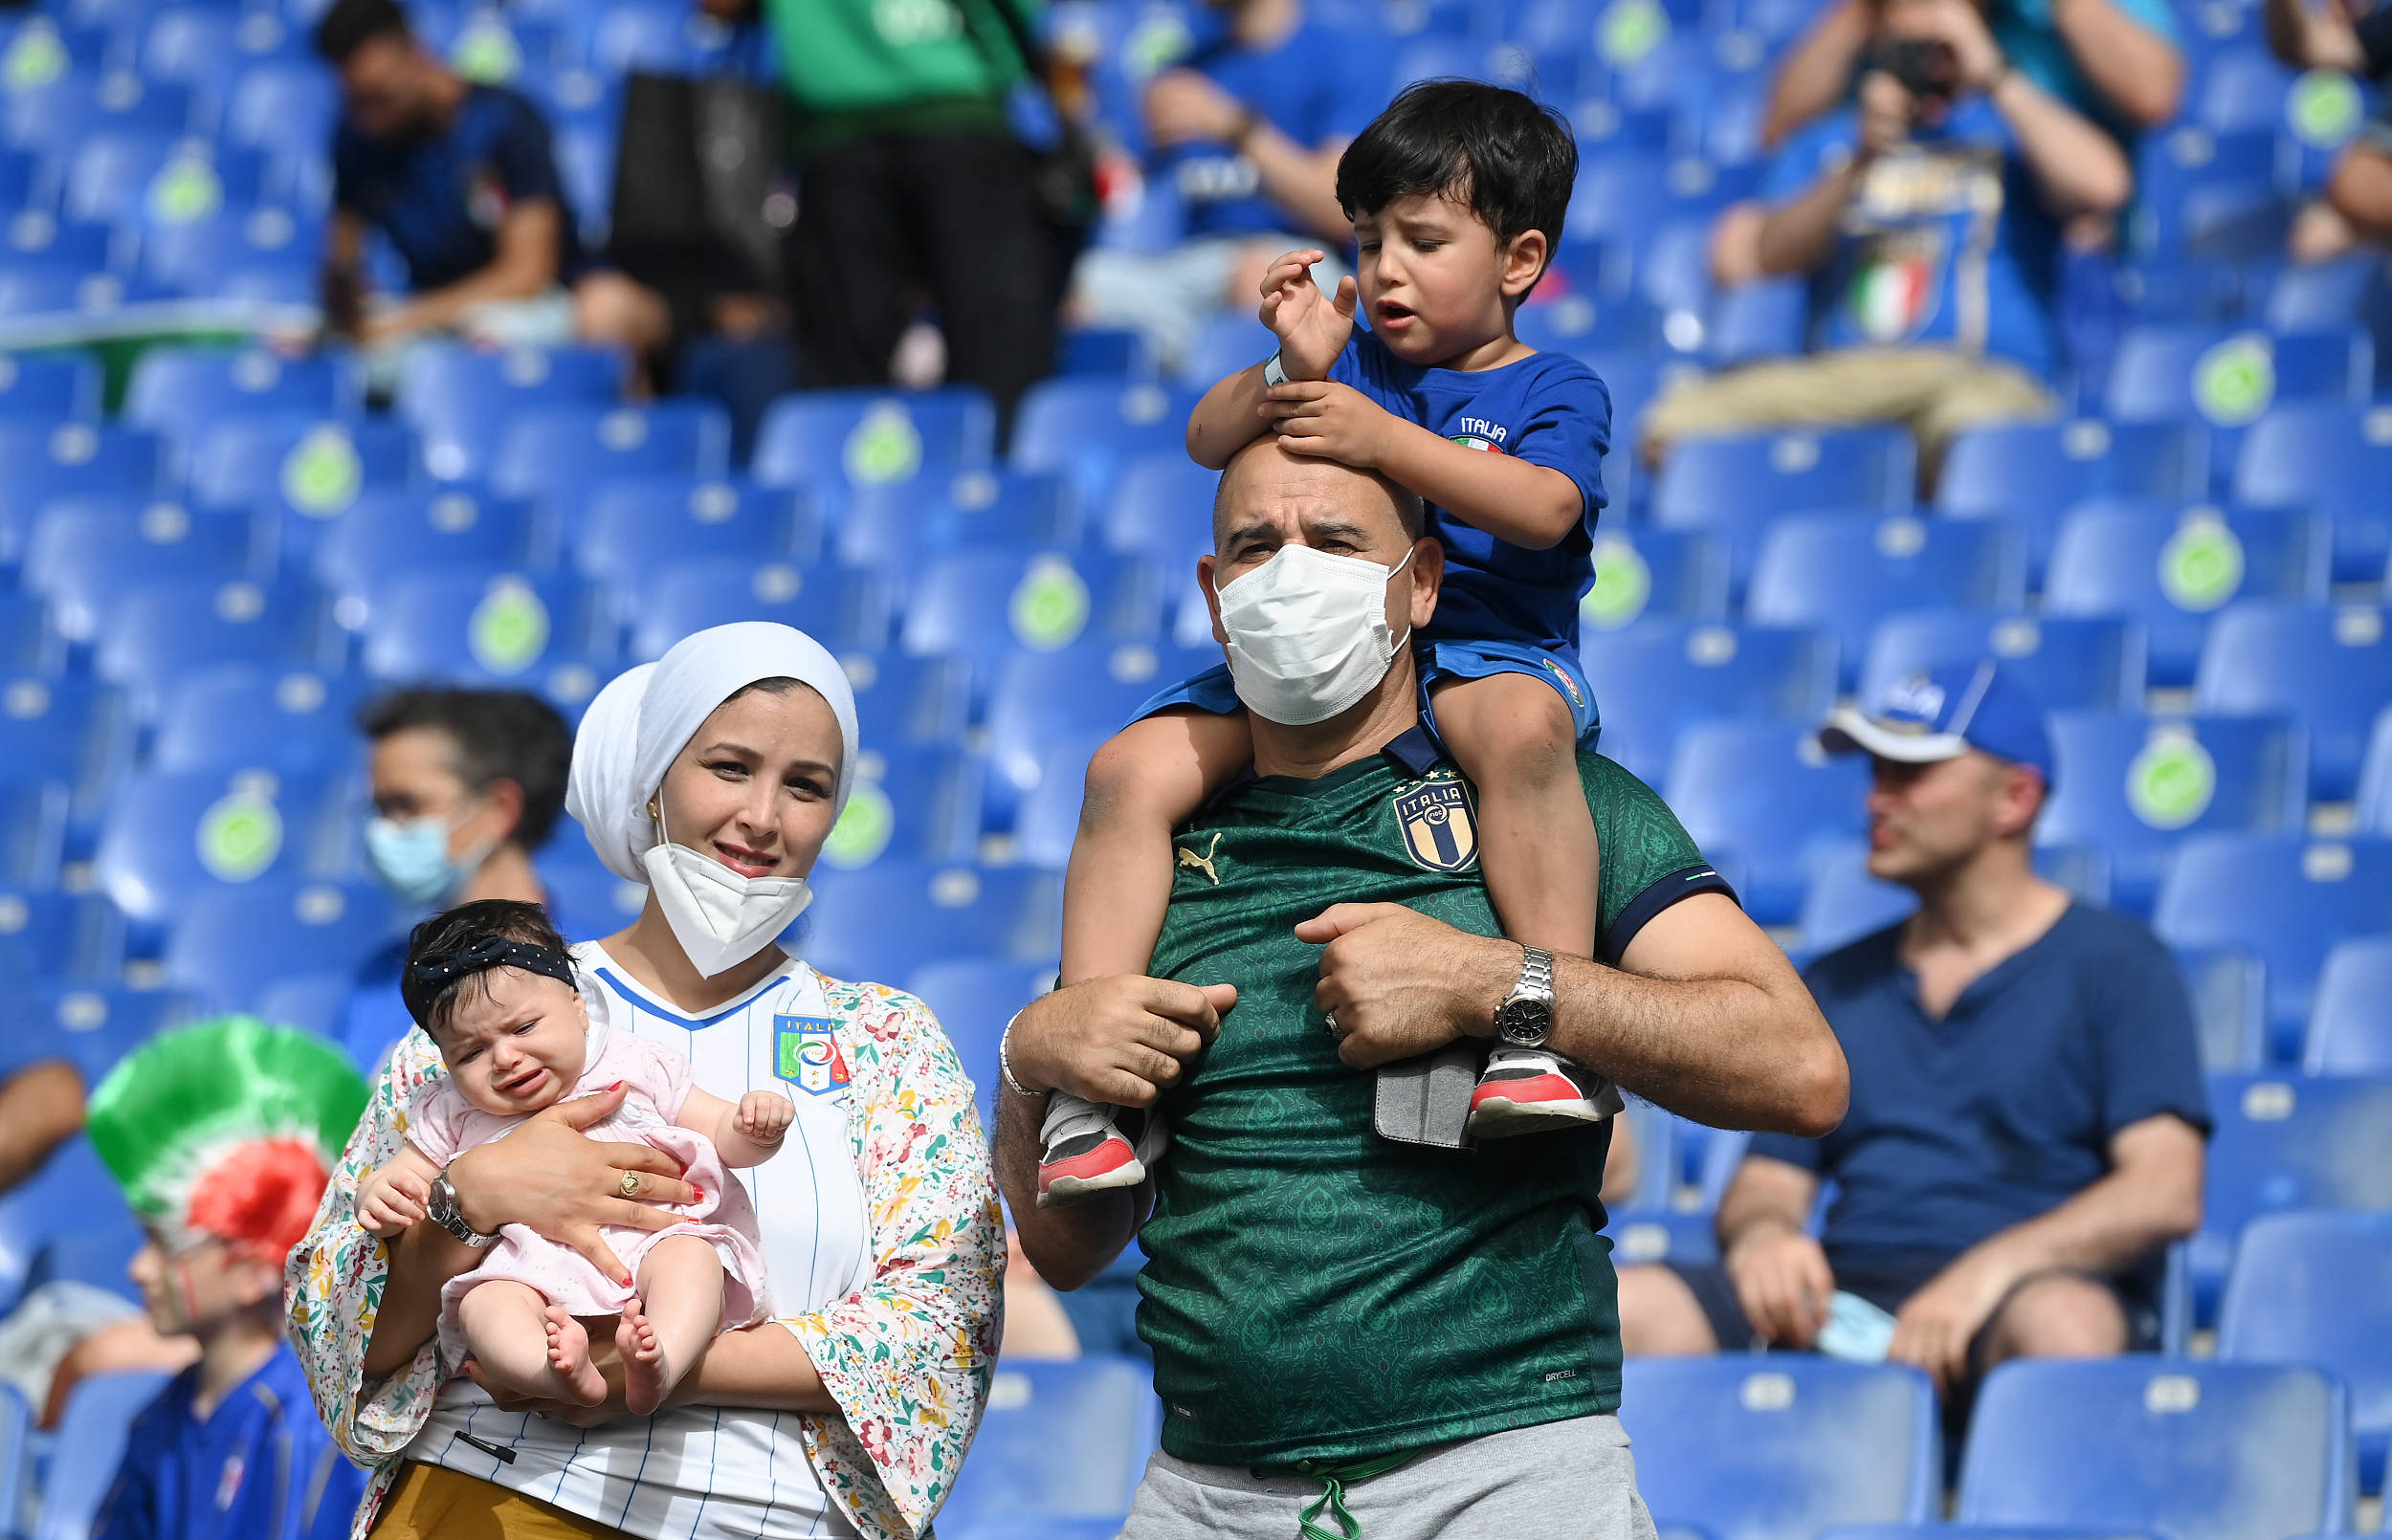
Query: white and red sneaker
x=1085 y=1150
x=1533 y=1090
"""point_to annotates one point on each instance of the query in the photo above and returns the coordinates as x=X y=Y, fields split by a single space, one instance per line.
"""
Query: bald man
x=1348 y=1328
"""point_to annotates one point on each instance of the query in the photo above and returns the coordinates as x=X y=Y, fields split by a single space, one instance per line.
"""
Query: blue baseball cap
x=1941 y=714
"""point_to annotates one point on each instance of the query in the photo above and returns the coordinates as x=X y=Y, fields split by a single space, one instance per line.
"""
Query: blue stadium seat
x=69 y=935
x=2065 y=662
x=1644 y=1233
x=125 y=177
x=559 y=452
x=1841 y=573
x=16 y=1428
x=1046 y=816
x=50 y=288
x=2287 y=1141
x=163 y=632
x=318 y=1002
x=903 y=701
x=221 y=256
x=32 y=831
x=869 y=438
x=2288 y=900
x=1162 y=508
x=75 y=731
x=1765 y=319
x=294 y=721
x=2374 y=778
x=462 y=398
x=1845 y=903
x=973 y=998
x=201 y=45
x=1109 y=352
x=37 y=238
x=1643 y=571
x=55 y=117
x=29 y=643
x=88 y=1449
x=886 y=921
x=1089 y=428
x=2334 y=458
x=982 y=602
x=630 y=531
x=171 y=837
x=42 y=462
x=2331 y=667
x=227 y=946
x=282 y=101
x=96 y=1024
x=1656 y=678
x=300 y=468
x=1764 y=794
x=1059 y=1440
x=175 y=390
x=579 y=887
x=49 y=387
x=1088 y=690
x=391 y=531
x=837 y=608
x=1743 y=480
x=2321 y=296
x=909 y=803
x=1234 y=340
x=86 y=553
x=478 y=625
x=1581 y=322
x=1757 y=1448
x=2316 y=1288
x=2134 y=787
x=2173 y=569
x=2030 y=473
x=2230 y=991
x=2244 y=89
x=2349 y=1033
x=2230 y=378
x=896 y=526
x=2195 y=1451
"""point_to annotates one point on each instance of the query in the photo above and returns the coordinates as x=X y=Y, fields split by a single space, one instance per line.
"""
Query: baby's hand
x=391 y=1200
x=1313 y=329
x=765 y=1116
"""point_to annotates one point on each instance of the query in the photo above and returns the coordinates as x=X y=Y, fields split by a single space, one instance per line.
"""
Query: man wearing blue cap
x=2027 y=1114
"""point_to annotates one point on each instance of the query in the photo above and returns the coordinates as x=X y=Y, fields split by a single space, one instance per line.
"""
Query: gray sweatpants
x=1558 y=1481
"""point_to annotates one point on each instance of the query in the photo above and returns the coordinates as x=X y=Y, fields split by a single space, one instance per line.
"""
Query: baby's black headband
x=432 y=972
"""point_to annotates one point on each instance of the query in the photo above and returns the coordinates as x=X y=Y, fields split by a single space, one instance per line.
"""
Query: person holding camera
x=1928 y=215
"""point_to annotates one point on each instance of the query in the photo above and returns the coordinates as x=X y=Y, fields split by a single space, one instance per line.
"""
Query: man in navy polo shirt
x=2027 y=1113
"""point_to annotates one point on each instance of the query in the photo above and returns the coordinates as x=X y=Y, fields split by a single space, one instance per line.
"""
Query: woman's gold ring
x=628 y=1186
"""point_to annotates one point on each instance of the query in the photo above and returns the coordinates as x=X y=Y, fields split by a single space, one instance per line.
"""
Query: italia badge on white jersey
x=806 y=1055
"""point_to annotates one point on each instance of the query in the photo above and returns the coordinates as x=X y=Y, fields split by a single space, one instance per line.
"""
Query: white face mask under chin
x=1308 y=634
x=721 y=919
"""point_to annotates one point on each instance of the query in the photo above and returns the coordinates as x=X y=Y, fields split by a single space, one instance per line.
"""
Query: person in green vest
x=911 y=182
x=1354 y=1335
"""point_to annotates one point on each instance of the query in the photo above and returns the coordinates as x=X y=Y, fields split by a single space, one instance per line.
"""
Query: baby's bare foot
x=568 y=1355
x=645 y=1376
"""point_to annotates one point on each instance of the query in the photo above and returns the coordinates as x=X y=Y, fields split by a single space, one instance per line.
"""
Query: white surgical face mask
x=720 y=918
x=1308 y=634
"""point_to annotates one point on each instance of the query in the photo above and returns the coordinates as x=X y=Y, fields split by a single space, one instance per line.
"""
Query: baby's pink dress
x=443 y=1124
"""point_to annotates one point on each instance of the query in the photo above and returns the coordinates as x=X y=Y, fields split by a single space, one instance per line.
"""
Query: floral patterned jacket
x=907 y=1358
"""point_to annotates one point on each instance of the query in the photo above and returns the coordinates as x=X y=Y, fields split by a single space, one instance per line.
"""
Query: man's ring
x=1329 y=1020
x=628 y=1186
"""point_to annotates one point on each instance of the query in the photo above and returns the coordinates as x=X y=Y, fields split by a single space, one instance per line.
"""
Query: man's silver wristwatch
x=441 y=1208
x=1524 y=1019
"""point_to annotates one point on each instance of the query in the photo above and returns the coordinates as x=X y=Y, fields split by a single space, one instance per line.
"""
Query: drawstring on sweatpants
x=1332 y=1477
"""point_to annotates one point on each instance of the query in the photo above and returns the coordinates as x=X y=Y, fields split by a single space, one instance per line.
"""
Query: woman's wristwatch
x=442 y=1210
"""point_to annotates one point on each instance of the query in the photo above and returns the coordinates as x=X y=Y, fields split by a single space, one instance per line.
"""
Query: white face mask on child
x=720 y=918
x=1308 y=634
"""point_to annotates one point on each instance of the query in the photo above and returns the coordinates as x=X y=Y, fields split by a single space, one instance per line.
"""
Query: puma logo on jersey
x=1202 y=862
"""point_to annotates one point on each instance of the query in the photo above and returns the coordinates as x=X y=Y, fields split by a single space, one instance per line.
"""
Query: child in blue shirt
x=1457 y=192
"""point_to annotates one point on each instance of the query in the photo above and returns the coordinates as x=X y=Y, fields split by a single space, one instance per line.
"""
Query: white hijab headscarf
x=642 y=720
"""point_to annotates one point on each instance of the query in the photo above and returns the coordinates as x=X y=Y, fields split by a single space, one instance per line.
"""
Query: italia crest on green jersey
x=1439 y=828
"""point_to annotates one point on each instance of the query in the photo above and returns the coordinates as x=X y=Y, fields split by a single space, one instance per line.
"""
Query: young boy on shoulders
x=1457 y=193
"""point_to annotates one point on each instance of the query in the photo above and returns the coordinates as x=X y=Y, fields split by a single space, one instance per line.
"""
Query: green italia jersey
x=1314 y=1292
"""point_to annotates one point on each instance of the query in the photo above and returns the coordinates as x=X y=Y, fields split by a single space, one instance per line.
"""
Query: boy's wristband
x=1273 y=374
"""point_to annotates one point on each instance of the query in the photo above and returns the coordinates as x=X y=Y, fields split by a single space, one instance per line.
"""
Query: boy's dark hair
x=509 y=919
x=1500 y=153
x=499 y=734
x=349 y=25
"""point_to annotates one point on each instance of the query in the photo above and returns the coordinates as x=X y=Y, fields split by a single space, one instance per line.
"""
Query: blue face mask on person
x=412 y=860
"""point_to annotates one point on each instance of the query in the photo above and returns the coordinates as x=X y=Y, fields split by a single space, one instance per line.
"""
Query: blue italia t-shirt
x=1946 y=242
x=2003 y=1110
x=1321 y=86
x=441 y=198
x=1549 y=409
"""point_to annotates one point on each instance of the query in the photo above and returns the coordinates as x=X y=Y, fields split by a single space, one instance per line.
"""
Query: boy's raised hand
x=1312 y=328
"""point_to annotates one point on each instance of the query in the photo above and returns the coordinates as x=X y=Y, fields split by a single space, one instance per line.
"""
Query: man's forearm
x=1068 y=1244
x=1815 y=75
x=2078 y=166
x=2140 y=71
x=42 y=1107
x=2308 y=40
x=1303 y=181
x=2106 y=1227
x=1799 y=236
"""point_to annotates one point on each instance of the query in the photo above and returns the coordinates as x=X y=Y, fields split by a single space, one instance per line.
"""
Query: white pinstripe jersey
x=705 y=1473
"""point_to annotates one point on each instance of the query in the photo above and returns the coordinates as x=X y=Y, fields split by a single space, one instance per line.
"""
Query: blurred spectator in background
x=41 y=1100
x=2027 y=1114
x=466 y=786
x=2115 y=62
x=1928 y=216
x=911 y=180
x=459 y=178
x=1245 y=133
x=2357 y=201
x=222 y=1137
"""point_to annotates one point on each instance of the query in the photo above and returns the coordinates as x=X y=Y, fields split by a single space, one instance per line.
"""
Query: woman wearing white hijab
x=713 y=776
